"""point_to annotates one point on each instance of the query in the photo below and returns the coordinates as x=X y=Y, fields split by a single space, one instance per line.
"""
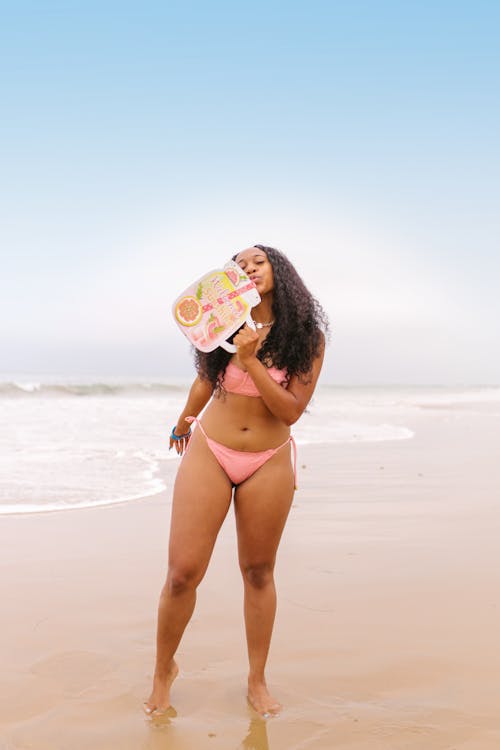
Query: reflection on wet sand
x=162 y=718
x=256 y=738
x=161 y=737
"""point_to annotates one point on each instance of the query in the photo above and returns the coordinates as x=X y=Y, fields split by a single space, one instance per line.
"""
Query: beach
x=386 y=635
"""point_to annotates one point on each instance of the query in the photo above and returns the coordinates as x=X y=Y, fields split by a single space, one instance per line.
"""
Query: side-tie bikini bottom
x=240 y=465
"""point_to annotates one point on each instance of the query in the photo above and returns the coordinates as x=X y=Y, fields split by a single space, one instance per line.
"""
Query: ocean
x=74 y=443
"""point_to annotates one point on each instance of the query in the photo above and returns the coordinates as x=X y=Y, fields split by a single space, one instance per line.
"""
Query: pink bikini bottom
x=240 y=465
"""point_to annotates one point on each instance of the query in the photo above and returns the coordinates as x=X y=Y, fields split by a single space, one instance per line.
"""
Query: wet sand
x=387 y=629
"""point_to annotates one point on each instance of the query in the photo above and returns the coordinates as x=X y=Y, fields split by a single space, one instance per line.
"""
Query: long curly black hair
x=298 y=333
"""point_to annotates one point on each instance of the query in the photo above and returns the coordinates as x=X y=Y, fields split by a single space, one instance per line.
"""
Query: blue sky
x=143 y=142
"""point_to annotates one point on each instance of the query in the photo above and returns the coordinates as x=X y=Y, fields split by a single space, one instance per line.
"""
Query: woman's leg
x=262 y=504
x=202 y=494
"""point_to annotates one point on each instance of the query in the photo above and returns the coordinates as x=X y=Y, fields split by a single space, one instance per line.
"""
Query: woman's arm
x=288 y=403
x=199 y=395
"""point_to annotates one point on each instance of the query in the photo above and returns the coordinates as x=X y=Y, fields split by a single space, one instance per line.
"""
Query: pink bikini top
x=238 y=381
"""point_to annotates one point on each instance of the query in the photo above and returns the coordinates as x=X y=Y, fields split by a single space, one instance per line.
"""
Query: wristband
x=175 y=437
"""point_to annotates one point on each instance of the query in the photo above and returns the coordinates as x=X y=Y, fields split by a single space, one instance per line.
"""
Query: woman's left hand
x=246 y=341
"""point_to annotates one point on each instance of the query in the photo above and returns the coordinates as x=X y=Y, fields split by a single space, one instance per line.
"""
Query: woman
x=243 y=441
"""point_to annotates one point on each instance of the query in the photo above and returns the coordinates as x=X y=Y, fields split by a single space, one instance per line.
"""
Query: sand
x=387 y=629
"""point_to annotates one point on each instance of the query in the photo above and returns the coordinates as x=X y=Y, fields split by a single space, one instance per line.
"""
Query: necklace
x=262 y=325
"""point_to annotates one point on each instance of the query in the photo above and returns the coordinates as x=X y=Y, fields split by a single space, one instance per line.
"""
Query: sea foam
x=73 y=444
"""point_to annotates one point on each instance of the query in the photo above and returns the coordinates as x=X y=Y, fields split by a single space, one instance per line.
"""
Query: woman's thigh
x=262 y=504
x=202 y=495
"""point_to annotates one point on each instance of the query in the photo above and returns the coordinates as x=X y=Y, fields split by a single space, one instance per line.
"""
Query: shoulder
x=322 y=340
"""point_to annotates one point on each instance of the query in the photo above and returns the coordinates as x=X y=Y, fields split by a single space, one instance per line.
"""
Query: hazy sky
x=144 y=143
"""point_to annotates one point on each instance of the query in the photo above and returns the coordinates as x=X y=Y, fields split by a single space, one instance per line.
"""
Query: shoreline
x=166 y=476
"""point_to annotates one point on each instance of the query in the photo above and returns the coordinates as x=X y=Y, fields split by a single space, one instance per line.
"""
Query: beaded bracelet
x=173 y=436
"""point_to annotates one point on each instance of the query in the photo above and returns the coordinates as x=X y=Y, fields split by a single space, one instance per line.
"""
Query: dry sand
x=387 y=629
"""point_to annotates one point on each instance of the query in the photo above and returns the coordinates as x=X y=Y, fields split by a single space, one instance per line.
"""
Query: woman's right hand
x=181 y=444
x=199 y=395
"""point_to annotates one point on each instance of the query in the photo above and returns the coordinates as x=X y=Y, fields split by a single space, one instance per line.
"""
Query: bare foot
x=262 y=701
x=159 y=700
